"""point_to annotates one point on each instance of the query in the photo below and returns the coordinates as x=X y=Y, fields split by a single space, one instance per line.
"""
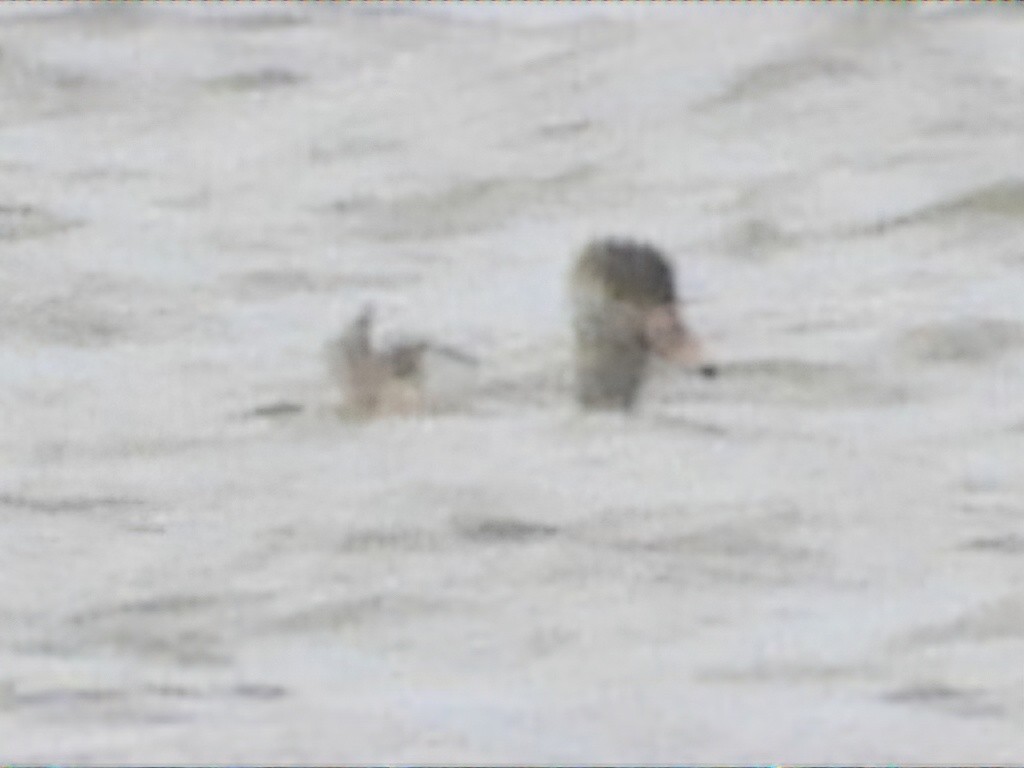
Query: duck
x=388 y=381
x=625 y=309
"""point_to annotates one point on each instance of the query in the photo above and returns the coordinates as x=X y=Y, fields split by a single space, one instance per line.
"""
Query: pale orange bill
x=670 y=339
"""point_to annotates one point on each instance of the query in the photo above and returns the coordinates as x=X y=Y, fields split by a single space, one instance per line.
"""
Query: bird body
x=392 y=380
x=624 y=308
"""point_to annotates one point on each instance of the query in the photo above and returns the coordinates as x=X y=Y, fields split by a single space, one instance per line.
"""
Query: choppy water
x=815 y=557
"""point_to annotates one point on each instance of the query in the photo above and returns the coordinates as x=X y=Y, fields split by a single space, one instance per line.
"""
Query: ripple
x=768 y=549
x=753 y=238
x=270 y=284
x=787 y=672
x=97 y=703
x=807 y=383
x=166 y=605
x=181 y=627
x=53 y=696
x=502 y=529
x=1003 y=199
x=568 y=128
x=1009 y=543
x=996 y=620
x=268 y=18
x=472 y=205
x=782 y=77
x=184 y=646
x=55 y=505
x=386 y=539
x=257 y=80
x=260 y=691
x=962 y=341
x=18 y=222
x=343 y=613
x=938 y=695
x=276 y=410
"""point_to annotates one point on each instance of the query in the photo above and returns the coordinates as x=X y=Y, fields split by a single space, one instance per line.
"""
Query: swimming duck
x=624 y=308
x=388 y=381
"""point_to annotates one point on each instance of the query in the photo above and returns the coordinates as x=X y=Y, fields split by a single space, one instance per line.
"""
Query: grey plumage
x=624 y=308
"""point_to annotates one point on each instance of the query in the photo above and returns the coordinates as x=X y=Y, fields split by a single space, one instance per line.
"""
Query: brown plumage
x=387 y=381
x=624 y=308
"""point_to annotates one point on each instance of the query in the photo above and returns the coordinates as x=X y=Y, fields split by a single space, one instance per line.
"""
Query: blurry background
x=815 y=557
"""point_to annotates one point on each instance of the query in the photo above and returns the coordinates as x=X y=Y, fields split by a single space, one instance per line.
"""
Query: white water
x=815 y=557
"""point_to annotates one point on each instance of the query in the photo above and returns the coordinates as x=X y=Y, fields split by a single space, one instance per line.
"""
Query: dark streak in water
x=275 y=410
x=258 y=80
x=355 y=612
x=386 y=539
x=1003 y=199
x=960 y=701
x=270 y=284
x=565 y=128
x=264 y=21
x=997 y=620
x=781 y=76
x=808 y=382
x=69 y=696
x=1007 y=544
x=967 y=341
x=260 y=691
x=74 y=504
x=19 y=221
x=353 y=146
x=503 y=530
x=752 y=238
x=472 y=205
x=165 y=605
